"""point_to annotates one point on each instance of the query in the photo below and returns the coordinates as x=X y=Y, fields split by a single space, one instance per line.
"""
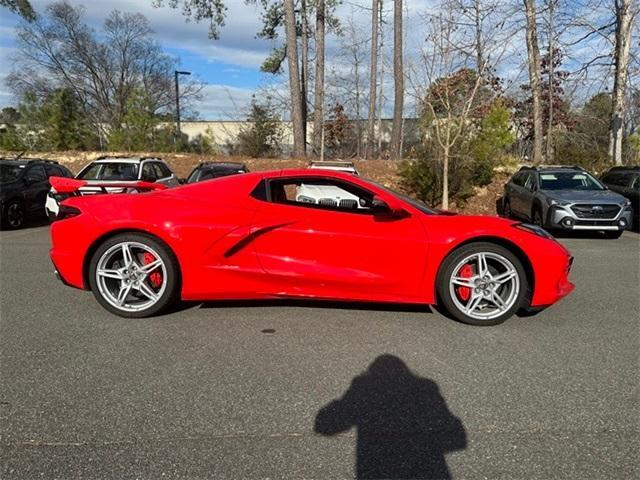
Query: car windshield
x=569 y=181
x=411 y=201
x=110 y=171
x=9 y=173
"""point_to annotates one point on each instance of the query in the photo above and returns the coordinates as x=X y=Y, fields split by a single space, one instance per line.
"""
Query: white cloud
x=224 y=102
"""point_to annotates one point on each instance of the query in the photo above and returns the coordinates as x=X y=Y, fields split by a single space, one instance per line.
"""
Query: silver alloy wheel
x=123 y=278
x=493 y=286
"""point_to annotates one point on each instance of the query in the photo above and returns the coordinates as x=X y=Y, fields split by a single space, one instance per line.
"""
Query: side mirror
x=182 y=181
x=380 y=207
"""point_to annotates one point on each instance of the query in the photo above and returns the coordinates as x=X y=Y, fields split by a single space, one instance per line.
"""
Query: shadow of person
x=404 y=427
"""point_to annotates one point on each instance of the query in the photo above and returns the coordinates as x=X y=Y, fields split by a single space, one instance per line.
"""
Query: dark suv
x=567 y=198
x=626 y=181
x=209 y=170
x=24 y=185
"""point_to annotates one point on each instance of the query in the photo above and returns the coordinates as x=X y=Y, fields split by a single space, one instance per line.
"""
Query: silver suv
x=567 y=198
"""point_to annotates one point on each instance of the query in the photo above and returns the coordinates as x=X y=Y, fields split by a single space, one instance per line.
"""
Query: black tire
x=536 y=216
x=171 y=291
x=446 y=271
x=13 y=216
x=506 y=209
x=613 y=234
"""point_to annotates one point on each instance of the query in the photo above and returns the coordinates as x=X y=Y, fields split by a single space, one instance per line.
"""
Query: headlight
x=558 y=203
x=627 y=203
x=305 y=199
x=535 y=229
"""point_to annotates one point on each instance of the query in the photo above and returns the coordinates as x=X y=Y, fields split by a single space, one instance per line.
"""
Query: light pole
x=178 y=133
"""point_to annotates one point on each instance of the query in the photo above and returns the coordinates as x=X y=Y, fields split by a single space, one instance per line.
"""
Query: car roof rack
x=332 y=163
x=125 y=157
x=231 y=164
x=537 y=168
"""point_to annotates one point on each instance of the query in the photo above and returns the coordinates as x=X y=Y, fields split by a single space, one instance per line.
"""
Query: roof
x=539 y=168
x=26 y=161
x=120 y=159
x=222 y=165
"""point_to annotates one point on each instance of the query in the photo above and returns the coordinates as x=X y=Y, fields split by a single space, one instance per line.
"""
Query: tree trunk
x=304 y=74
x=318 y=116
x=624 y=20
x=534 y=78
x=445 y=177
x=375 y=5
x=294 y=80
x=551 y=82
x=398 y=79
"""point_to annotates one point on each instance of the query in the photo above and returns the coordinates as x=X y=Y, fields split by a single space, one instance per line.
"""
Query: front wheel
x=134 y=275
x=482 y=284
x=613 y=234
x=13 y=215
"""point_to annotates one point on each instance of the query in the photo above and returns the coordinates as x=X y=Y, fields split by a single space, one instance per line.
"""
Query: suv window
x=568 y=181
x=162 y=171
x=148 y=172
x=519 y=179
x=55 y=171
x=325 y=194
x=530 y=181
x=617 y=179
x=35 y=174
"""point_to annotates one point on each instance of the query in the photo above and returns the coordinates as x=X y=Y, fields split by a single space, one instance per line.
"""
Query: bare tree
x=318 y=115
x=535 y=83
x=373 y=83
x=297 y=119
x=398 y=78
x=304 y=70
x=626 y=11
x=59 y=50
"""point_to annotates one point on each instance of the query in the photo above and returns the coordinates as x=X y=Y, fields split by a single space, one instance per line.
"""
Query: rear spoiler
x=72 y=185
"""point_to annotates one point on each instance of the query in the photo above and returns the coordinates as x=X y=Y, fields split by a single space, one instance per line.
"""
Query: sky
x=230 y=67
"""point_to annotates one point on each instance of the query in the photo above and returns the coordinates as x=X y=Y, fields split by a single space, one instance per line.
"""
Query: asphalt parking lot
x=248 y=390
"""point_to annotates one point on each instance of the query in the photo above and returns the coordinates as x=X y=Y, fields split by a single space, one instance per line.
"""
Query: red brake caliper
x=155 y=277
x=465 y=292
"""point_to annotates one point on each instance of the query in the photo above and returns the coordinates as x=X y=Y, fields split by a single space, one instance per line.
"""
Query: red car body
x=232 y=245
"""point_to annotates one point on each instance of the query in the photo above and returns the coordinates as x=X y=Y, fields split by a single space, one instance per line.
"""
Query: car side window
x=35 y=174
x=636 y=184
x=162 y=171
x=324 y=194
x=148 y=172
x=518 y=179
x=530 y=182
x=54 y=171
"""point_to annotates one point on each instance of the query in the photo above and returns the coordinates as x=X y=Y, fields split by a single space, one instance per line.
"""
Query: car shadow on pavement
x=404 y=427
x=331 y=304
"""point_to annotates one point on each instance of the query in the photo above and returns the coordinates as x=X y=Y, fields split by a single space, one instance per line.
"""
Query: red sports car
x=260 y=235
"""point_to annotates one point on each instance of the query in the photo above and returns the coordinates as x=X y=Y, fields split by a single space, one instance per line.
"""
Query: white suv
x=117 y=170
x=329 y=195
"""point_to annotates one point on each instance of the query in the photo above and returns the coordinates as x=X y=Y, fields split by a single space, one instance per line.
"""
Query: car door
x=338 y=249
x=516 y=195
x=165 y=175
x=528 y=194
x=36 y=189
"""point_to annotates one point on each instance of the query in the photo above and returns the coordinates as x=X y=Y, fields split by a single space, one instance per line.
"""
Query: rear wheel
x=506 y=209
x=536 y=217
x=134 y=275
x=13 y=216
x=482 y=284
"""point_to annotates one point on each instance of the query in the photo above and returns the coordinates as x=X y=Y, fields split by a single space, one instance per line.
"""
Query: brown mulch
x=382 y=171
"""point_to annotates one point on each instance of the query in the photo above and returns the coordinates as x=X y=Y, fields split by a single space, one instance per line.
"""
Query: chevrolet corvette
x=251 y=237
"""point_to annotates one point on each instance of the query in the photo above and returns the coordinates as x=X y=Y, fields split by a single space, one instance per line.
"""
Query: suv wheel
x=612 y=234
x=506 y=209
x=536 y=217
x=13 y=216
